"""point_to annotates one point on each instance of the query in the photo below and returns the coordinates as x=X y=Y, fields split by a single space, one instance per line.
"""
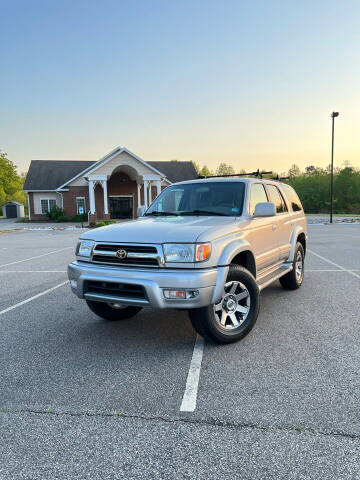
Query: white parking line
x=32 y=271
x=333 y=270
x=33 y=298
x=32 y=258
x=188 y=403
x=335 y=264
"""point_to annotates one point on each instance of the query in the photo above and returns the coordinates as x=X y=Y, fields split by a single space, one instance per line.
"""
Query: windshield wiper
x=162 y=214
x=205 y=212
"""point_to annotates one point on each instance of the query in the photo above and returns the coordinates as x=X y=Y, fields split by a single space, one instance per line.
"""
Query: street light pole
x=333 y=115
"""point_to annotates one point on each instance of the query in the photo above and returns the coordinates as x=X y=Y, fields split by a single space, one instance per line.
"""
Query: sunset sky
x=251 y=83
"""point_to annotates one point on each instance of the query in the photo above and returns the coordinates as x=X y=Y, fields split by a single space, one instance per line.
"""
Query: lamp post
x=333 y=115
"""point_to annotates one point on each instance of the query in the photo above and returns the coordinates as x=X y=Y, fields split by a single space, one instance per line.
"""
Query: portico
x=126 y=178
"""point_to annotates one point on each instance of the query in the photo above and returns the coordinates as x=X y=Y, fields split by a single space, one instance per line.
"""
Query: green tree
x=224 y=169
x=294 y=171
x=11 y=183
x=205 y=171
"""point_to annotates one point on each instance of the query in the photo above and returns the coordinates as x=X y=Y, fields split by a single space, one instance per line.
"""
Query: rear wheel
x=112 y=311
x=235 y=314
x=294 y=279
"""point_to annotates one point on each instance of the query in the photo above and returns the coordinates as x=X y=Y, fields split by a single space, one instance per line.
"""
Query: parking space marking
x=333 y=270
x=188 y=403
x=335 y=264
x=33 y=298
x=37 y=256
x=32 y=271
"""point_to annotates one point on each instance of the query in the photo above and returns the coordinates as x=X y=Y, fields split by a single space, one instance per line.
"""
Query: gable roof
x=49 y=175
x=176 y=171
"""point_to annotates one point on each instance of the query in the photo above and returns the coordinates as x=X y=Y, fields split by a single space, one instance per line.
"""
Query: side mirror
x=265 y=209
x=141 y=210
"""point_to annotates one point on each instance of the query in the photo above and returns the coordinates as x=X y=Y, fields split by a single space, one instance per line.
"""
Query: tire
x=110 y=312
x=294 y=279
x=235 y=315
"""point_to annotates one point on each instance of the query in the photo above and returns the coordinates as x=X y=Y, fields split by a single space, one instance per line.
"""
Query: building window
x=80 y=205
x=47 y=204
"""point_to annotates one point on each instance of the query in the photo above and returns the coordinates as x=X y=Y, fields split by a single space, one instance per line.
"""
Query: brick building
x=110 y=188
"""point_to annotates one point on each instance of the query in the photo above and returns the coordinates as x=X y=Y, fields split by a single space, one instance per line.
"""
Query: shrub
x=55 y=213
x=80 y=218
x=109 y=222
x=100 y=224
x=62 y=218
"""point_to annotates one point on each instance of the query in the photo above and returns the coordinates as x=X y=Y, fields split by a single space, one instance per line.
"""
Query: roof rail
x=257 y=174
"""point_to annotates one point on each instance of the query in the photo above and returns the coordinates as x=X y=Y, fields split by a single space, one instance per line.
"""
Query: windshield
x=211 y=198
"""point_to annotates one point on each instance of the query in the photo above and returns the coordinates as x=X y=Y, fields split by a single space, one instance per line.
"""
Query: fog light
x=180 y=294
x=73 y=284
x=174 y=294
x=192 y=293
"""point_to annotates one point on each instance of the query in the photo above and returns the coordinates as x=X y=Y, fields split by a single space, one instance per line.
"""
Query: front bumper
x=209 y=283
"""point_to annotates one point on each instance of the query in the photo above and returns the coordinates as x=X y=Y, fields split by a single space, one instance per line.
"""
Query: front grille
x=115 y=289
x=125 y=261
x=129 y=248
x=136 y=254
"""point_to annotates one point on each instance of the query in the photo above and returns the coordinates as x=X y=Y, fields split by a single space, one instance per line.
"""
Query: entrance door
x=121 y=207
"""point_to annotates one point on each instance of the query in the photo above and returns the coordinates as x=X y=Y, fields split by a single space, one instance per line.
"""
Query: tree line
x=11 y=183
x=313 y=186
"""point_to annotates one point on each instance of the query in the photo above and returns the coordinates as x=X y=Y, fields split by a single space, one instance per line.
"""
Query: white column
x=150 y=192
x=146 y=193
x=158 y=188
x=104 y=185
x=91 y=196
x=139 y=197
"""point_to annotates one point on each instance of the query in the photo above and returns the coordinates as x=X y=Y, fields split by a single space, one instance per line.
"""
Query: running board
x=265 y=281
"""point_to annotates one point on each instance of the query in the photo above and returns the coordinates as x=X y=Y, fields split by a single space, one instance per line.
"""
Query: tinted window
x=275 y=196
x=217 y=198
x=292 y=198
x=257 y=195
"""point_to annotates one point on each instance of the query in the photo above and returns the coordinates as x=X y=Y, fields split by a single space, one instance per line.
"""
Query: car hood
x=163 y=229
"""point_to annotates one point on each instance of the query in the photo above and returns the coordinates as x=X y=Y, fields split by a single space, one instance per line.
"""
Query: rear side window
x=276 y=197
x=292 y=197
x=257 y=195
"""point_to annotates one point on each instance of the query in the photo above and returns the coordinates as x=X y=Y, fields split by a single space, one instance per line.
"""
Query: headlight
x=84 y=248
x=186 y=252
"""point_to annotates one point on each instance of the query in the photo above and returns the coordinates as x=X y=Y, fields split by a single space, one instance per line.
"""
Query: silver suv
x=207 y=246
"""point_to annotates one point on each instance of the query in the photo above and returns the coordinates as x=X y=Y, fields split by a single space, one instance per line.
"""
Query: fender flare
x=294 y=236
x=232 y=249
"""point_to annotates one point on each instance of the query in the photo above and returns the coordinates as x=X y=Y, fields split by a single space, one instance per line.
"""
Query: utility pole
x=333 y=115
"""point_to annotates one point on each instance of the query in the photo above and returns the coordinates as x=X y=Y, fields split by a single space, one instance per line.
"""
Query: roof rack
x=280 y=179
x=257 y=174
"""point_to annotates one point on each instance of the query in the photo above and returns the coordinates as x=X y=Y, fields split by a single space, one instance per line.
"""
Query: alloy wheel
x=234 y=306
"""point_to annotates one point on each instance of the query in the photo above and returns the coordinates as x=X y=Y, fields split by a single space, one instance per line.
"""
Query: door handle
x=274 y=228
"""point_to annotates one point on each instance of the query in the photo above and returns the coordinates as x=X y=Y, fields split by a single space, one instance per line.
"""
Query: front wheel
x=235 y=314
x=112 y=311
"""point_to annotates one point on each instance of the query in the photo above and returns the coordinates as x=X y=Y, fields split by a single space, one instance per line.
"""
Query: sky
x=249 y=83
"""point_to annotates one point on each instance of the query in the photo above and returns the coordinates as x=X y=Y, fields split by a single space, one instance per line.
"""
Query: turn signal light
x=203 y=251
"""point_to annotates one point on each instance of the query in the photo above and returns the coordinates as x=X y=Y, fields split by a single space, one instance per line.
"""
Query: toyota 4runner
x=207 y=246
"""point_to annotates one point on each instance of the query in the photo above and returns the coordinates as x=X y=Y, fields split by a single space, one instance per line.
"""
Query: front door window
x=121 y=207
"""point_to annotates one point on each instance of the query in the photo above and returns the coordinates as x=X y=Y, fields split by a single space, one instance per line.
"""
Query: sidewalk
x=11 y=224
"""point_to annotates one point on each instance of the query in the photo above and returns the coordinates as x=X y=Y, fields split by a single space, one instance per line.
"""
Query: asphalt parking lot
x=86 y=399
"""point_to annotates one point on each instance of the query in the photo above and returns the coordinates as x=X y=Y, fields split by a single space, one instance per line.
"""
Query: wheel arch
x=245 y=259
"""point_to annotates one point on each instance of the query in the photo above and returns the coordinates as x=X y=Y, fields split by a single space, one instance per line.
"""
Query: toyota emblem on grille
x=121 y=253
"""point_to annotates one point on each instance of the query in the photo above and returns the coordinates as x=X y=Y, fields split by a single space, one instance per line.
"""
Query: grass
x=335 y=214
